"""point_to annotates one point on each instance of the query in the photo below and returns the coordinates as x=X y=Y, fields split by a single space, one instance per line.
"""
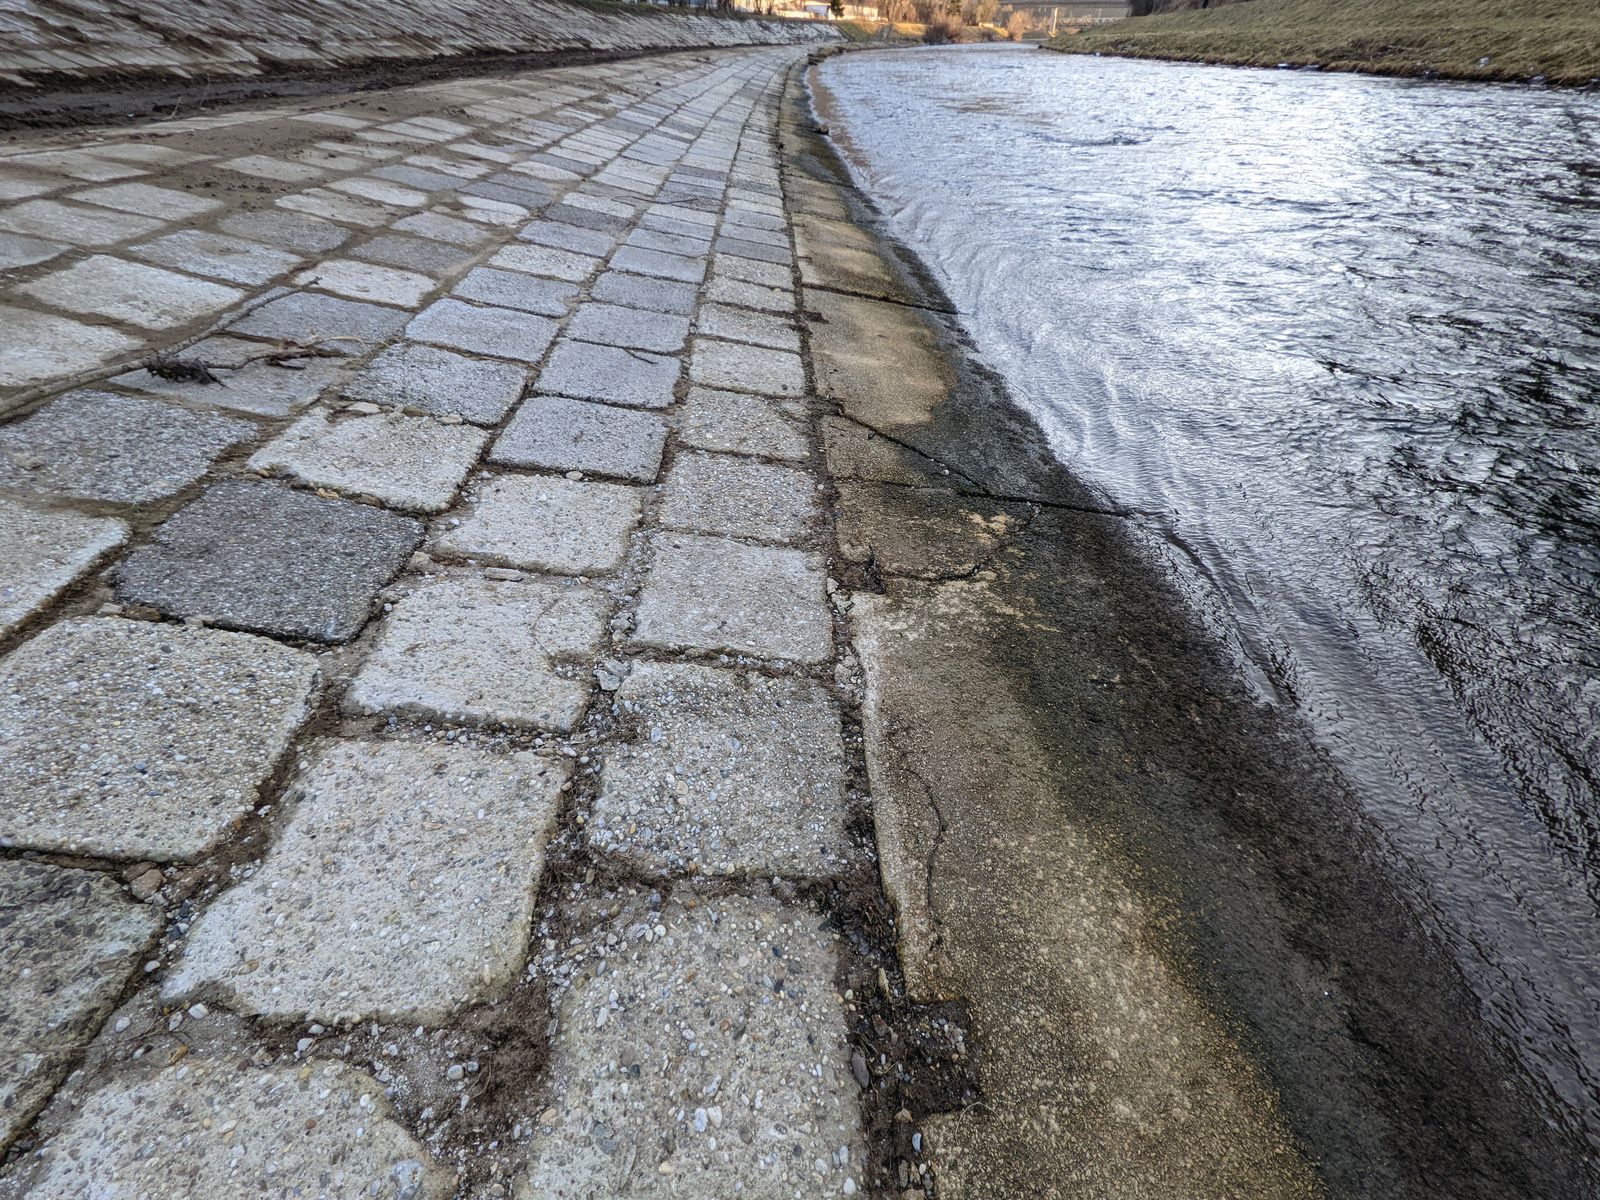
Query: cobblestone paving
x=419 y=741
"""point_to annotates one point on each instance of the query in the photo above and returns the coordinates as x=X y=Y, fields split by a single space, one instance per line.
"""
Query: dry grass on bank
x=1521 y=39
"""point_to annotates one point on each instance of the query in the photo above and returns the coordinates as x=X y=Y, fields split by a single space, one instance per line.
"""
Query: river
x=1343 y=334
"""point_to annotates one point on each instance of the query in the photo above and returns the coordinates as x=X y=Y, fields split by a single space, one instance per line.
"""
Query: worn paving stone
x=439 y=853
x=337 y=206
x=107 y=446
x=307 y=317
x=302 y=235
x=561 y=434
x=131 y=292
x=544 y=523
x=217 y=255
x=41 y=347
x=77 y=225
x=444 y=228
x=513 y=289
x=639 y=261
x=413 y=463
x=69 y=940
x=709 y=593
x=367 y=281
x=267 y=558
x=259 y=387
x=685 y=1067
x=738 y=775
x=743 y=424
x=133 y=740
x=324 y=1131
x=545 y=260
x=440 y=381
x=43 y=552
x=477 y=329
x=641 y=291
x=148 y=200
x=587 y=371
x=17 y=250
x=561 y=236
x=744 y=325
x=613 y=325
x=485 y=651
x=737 y=497
x=743 y=368
x=723 y=290
x=413 y=253
x=749 y=270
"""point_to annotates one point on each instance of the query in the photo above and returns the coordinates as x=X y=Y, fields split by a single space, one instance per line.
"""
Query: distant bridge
x=1077 y=12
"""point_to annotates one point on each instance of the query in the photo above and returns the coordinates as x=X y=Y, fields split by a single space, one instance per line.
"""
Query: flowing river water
x=1343 y=334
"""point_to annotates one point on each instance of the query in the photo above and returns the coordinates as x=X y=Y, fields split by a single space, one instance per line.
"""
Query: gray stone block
x=107 y=446
x=217 y=255
x=513 y=289
x=545 y=260
x=641 y=291
x=741 y=424
x=344 y=326
x=613 y=325
x=131 y=292
x=75 y=224
x=742 y=368
x=737 y=775
x=737 y=497
x=260 y=387
x=587 y=371
x=561 y=434
x=131 y=740
x=43 y=552
x=440 y=381
x=477 y=329
x=367 y=281
x=412 y=253
x=560 y=236
x=438 y=855
x=744 y=325
x=41 y=347
x=545 y=523
x=303 y=235
x=660 y=264
x=266 y=558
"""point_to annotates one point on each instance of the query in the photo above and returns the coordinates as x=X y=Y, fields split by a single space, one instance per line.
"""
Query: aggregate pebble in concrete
x=203 y=1130
x=402 y=888
x=306 y=317
x=412 y=463
x=561 y=434
x=742 y=424
x=68 y=942
x=480 y=329
x=263 y=388
x=686 y=1068
x=545 y=523
x=41 y=347
x=743 y=368
x=713 y=594
x=439 y=381
x=739 y=775
x=263 y=557
x=107 y=446
x=131 y=292
x=587 y=371
x=717 y=493
x=614 y=325
x=480 y=650
x=133 y=740
x=513 y=289
x=42 y=552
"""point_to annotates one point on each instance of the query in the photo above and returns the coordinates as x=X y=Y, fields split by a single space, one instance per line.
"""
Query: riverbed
x=1336 y=337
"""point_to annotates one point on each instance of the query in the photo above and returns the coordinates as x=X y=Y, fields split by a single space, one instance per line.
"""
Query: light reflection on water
x=1346 y=332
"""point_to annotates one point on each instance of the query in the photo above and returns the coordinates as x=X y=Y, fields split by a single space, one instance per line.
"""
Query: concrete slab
x=741 y=368
x=687 y=1068
x=206 y=1129
x=737 y=497
x=561 y=434
x=735 y=774
x=587 y=371
x=42 y=347
x=439 y=853
x=485 y=652
x=440 y=381
x=544 y=523
x=367 y=281
x=513 y=289
x=263 y=557
x=742 y=424
x=262 y=388
x=116 y=448
x=923 y=533
x=43 y=552
x=69 y=940
x=343 y=326
x=133 y=740
x=131 y=292
x=217 y=255
x=641 y=291
x=709 y=593
x=613 y=325
x=480 y=329
x=411 y=463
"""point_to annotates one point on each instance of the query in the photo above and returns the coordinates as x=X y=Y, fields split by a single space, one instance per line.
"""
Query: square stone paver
x=267 y=558
x=513 y=289
x=587 y=371
x=107 y=446
x=149 y=297
x=303 y=235
x=41 y=347
x=709 y=593
x=638 y=261
x=42 y=553
x=559 y=434
x=707 y=1061
x=715 y=493
x=545 y=523
x=742 y=368
x=739 y=775
x=423 y=907
x=480 y=329
x=440 y=381
x=413 y=254
x=641 y=291
x=751 y=295
x=75 y=224
x=367 y=281
x=545 y=260
x=640 y=329
x=207 y=1129
x=560 y=236
x=148 y=200
x=343 y=326
x=19 y=251
x=217 y=255
x=746 y=325
x=68 y=942
x=414 y=463
x=444 y=229
x=741 y=424
x=264 y=388
x=132 y=740
x=479 y=650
